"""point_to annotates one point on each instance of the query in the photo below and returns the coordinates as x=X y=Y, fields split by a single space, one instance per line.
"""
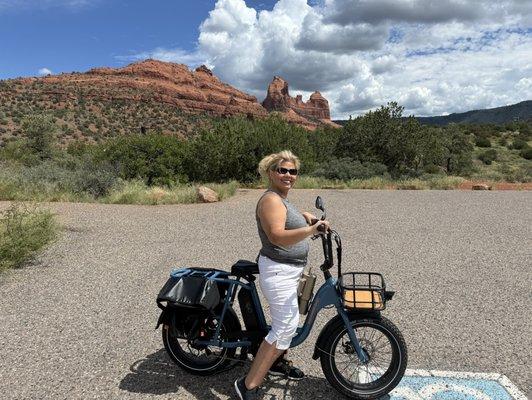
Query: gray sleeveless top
x=295 y=254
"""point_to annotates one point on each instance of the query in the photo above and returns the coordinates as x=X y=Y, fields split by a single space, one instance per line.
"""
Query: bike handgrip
x=314 y=221
x=321 y=228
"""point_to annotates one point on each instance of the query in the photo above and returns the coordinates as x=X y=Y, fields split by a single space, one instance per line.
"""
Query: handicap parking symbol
x=446 y=385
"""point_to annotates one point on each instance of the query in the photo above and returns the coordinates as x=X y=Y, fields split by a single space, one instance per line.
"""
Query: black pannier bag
x=191 y=287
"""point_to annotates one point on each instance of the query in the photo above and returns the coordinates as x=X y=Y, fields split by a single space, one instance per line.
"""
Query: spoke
x=346 y=366
x=384 y=344
x=375 y=345
x=354 y=371
x=341 y=362
x=379 y=361
x=368 y=374
x=381 y=355
x=365 y=333
x=370 y=335
x=380 y=371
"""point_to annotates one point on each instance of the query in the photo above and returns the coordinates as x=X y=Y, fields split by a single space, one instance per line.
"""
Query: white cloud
x=435 y=56
x=176 y=55
x=45 y=71
x=416 y=11
x=320 y=36
x=384 y=63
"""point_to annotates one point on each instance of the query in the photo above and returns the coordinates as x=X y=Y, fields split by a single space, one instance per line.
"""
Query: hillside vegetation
x=378 y=150
x=80 y=115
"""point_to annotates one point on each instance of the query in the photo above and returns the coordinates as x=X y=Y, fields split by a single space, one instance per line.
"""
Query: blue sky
x=432 y=57
x=70 y=36
x=76 y=38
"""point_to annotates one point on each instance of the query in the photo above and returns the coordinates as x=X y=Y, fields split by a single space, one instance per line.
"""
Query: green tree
x=459 y=155
x=40 y=133
x=384 y=136
x=232 y=148
x=323 y=142
x=156 y=159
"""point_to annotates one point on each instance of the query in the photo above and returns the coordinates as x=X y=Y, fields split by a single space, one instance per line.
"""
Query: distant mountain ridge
x=500 y=115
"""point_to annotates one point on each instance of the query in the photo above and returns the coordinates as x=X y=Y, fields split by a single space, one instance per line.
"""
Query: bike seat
x=244 y=267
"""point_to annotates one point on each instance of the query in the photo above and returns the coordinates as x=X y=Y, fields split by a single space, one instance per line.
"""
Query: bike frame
x=328 y=294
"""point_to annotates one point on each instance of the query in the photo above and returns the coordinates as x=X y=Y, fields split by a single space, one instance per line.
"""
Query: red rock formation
x=278 y=99
x=175 y=84
x=157 y=88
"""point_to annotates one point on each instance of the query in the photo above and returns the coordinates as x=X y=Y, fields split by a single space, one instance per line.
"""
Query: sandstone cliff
x=148 y=95
x=315 y=110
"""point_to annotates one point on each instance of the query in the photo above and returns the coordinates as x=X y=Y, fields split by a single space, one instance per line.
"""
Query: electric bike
x=363 y=355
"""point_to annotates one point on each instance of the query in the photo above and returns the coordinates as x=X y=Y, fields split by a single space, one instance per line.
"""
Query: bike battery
x=249 y=315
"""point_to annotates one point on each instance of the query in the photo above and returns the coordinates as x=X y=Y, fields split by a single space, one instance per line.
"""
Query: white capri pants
x=278 y=283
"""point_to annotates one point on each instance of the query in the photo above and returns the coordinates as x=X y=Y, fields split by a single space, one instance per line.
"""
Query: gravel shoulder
x=79 y=323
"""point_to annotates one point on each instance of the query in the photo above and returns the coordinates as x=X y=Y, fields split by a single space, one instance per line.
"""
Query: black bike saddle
x=244 y=267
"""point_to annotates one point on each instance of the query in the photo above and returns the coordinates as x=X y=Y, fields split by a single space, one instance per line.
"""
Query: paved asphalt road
x=79 y=324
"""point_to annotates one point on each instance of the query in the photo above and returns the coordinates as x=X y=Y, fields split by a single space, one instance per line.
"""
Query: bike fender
x=337 y=319
x=165 y=318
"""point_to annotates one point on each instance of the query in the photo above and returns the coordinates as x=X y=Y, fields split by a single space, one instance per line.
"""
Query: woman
x=284 y=233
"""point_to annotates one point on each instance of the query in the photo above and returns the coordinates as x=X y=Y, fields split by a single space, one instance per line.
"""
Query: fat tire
x=173 y=348
x=398 y=362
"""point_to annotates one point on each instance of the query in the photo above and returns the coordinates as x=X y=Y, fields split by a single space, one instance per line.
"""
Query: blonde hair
x=272 y=161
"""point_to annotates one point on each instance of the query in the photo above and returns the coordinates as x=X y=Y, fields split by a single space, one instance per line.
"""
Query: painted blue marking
x=449 y=388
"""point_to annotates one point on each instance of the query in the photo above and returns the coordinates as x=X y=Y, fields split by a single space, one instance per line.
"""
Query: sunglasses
x=283 y=171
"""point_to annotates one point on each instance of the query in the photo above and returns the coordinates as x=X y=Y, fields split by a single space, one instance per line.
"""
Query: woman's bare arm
x=272 y=214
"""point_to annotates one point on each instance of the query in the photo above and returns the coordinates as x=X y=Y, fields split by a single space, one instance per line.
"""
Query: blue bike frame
x=327 y=295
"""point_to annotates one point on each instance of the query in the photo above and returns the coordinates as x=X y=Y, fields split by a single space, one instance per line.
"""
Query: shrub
x=458 y=159
x=93 y=179
x=432 y=169
x=55 y=179
x=323 y=142
x=481 y=141
x=516 y=173
x=40 y=133
x=155 y=159
x=346 y=169
x=17 y=151
x=519 y=144
x=526 y=153
x=232 y=148
x=23 y=232
x=488 y=156
x=386 y=137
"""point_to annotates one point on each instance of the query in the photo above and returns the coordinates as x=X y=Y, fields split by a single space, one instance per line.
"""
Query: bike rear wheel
x=385 y=347
x=201 y=360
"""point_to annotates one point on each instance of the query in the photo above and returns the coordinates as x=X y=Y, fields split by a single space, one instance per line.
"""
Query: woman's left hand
x=310 y=218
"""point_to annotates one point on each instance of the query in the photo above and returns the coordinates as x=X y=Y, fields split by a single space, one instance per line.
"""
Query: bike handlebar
x=328 y=253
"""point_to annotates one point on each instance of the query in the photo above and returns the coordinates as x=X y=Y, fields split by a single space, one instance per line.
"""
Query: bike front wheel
x=385 y=347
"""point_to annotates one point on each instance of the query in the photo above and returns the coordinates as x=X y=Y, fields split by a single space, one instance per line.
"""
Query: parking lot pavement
x=80 y=322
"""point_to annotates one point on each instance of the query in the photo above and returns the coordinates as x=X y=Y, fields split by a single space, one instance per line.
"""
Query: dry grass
x=136 y=192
